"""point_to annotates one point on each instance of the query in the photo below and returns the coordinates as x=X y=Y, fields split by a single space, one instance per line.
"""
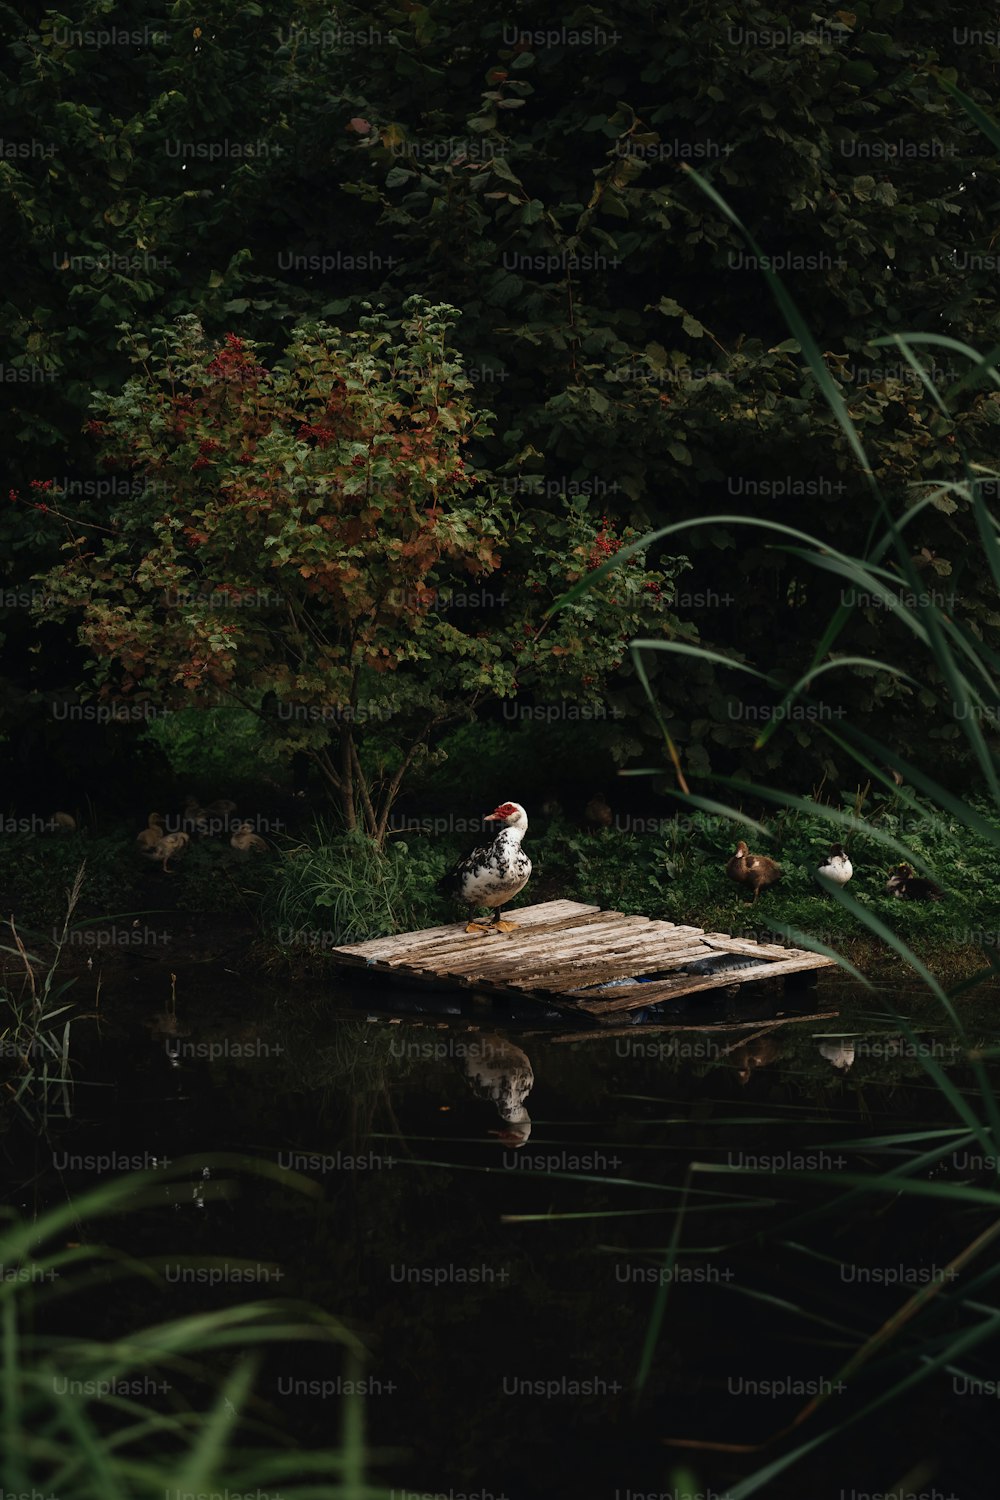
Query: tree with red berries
x=311 y=541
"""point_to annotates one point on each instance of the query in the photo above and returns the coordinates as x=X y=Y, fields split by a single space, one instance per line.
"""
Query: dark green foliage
x=332 y=889
x=624 y=344
x=213 y=748
x=37 y=872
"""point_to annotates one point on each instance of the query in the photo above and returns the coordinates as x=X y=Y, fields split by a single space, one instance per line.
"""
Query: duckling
x=245 y=841
x=62 y=822
x=597 y=814
x=911 y=887
x=151 y=835
x=220 y=807
x=194 y=818
x=836 y=867
x=170 y=846
x=754 y=870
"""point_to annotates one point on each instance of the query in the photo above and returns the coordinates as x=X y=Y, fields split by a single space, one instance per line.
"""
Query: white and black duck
x=493 y=874
x=836 y=867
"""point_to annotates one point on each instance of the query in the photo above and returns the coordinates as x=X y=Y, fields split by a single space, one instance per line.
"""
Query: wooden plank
x=610 y=970
x=691 y=984
x=378 y=948
x=560 y=950
x=459 y=944
x=648 y=1028
x=506 y=949
x=550 y=916
x=589 y=946
x=722 y=942
x=550 y=950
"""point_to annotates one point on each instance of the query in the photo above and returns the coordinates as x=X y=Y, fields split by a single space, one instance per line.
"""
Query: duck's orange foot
x=478 y=927
x=505 y=926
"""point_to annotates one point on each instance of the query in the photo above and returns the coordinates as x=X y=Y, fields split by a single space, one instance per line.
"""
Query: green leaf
x=860 y=72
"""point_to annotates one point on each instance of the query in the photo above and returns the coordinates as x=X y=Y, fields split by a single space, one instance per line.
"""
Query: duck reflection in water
x=500 y=1072
x=747 y=1057
x=839 y=1051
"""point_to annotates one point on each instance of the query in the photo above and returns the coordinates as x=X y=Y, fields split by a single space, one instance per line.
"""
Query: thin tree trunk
x=347 y=778
x=322 y=761
x=392 y=790
x=361 y=780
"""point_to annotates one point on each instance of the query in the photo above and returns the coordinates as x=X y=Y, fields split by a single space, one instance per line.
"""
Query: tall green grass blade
x=201 y=1466
x=798 y=326
x=655 y=1325
x=978 y=115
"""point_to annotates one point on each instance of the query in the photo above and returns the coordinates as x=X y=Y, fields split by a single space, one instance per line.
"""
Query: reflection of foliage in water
x=353 y=1069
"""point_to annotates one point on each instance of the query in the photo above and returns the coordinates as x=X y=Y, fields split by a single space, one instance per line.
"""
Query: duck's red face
x=502 y=813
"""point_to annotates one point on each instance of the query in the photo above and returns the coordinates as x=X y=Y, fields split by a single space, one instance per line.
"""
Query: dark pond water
x=494 y=1213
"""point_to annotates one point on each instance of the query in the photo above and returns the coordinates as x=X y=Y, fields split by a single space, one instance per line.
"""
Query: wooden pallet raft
x=561 y=950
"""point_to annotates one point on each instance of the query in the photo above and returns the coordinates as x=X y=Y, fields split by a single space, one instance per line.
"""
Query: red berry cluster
x=234 y=363
x=605 y=545
x=40 y=486
x=322 y=436
x=205 y=450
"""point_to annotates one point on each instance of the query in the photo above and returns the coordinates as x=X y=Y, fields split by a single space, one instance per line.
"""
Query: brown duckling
x=905 y=883
x=194 y=818
x=754 y=870
x=597 y=814
x=170 y=846
x=245 y=841
x=150 y=836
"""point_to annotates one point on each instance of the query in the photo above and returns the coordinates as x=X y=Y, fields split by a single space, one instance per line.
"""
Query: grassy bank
x=330 y=890
x=318 y=888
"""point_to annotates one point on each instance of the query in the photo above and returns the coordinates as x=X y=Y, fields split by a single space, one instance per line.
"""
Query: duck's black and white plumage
x=836 y=867
x=499 y=1071
x=911 y=887
x=493 y=874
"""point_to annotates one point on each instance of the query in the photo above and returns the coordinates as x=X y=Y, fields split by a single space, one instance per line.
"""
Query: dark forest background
x=261 y=165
